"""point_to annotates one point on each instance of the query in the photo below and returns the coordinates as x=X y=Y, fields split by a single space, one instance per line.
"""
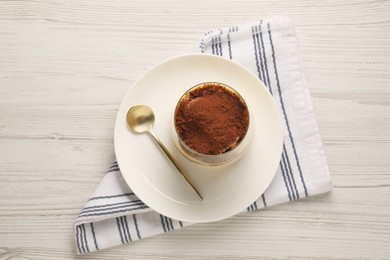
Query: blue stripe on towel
x=102 y=207
x=78 y=241
x=125 y=209
x=94 y=236
x=284 y=110
x=126 y=204
x=120 y=229
x=163 y=223
x=127 y=228
x=85 y=237
x=136 y=226
x=112 y=196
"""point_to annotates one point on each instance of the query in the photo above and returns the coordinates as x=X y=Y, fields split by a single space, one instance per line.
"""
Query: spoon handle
x=175 y=163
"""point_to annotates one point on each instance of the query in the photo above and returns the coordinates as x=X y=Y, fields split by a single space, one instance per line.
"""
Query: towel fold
x=114 y=215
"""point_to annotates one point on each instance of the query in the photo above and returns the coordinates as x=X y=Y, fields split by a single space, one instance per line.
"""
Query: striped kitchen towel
x=269 y=48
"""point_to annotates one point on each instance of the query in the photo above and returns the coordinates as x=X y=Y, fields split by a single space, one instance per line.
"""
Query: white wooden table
x=65 y=66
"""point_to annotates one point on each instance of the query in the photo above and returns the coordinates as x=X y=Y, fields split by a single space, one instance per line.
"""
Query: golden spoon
x=140 y=119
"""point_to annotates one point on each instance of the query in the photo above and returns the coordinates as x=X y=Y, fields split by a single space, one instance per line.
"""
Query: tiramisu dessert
x=211 y=119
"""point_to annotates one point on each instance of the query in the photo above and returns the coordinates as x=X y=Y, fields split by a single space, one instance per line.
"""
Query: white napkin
x=269 y=48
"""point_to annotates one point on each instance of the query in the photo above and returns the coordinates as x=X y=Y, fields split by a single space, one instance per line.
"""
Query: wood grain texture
x=65 y=66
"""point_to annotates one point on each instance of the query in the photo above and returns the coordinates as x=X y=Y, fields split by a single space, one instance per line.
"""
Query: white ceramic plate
x=227 y=189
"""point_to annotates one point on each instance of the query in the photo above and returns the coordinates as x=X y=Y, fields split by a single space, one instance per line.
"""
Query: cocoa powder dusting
x=211 y=119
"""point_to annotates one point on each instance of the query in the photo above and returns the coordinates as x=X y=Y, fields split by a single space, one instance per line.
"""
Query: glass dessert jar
x=212 y=124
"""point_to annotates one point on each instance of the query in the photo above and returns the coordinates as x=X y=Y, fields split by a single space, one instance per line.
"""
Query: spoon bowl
x=140 y=118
